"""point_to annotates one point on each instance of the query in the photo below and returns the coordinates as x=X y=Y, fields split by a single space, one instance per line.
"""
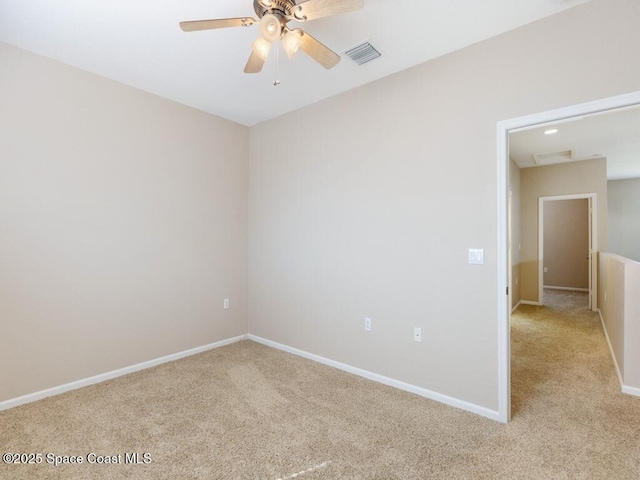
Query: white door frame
x=593 y=243
x=503 y=129
x=510 y=251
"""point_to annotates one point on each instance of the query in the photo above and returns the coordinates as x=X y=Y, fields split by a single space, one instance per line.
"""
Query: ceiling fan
x=274 y=16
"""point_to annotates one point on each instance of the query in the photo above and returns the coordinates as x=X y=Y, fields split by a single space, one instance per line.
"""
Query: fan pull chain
x=276 y=82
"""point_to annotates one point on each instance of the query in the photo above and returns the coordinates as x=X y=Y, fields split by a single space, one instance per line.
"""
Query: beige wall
x=620 y=308
x=124 y=220
x=514 y=188
x=563 y=179
x=566 y=243
x=372 y=208
x=624 y=217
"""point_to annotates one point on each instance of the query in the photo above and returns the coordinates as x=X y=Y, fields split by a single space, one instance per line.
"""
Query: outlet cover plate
x=367 y=324
x=417 y=334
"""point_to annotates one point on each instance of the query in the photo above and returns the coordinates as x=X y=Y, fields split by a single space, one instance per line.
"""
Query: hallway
x=563 y=378
x=557 y=347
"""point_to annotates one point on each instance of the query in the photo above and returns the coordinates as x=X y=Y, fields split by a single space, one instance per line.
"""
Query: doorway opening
x=503 y=274
x=568 y=242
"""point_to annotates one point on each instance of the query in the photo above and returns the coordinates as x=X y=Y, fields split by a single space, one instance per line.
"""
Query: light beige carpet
x=249 y=412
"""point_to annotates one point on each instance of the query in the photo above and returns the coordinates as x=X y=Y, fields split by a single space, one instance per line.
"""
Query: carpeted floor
x=249 y=412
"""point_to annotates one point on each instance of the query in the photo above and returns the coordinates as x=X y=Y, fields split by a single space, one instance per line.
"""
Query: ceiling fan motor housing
x=282 y=8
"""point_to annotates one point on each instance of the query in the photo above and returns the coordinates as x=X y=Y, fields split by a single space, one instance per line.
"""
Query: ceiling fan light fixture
x=261 y=48
x=291 y=43
x=270 y=27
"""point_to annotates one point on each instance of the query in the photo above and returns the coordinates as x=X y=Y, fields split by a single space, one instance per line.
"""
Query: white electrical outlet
x=226 y=303
x=417 y=334
x=546 y=269
x=367 y=324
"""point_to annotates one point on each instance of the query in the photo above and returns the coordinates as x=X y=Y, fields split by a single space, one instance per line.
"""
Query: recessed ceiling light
x=551 y=131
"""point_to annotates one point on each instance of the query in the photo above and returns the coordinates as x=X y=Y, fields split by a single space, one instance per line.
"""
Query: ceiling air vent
x=363 y=53
x=553 y=157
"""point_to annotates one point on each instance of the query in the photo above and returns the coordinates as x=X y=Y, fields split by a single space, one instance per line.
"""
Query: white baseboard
x=631 y=390
x=527 y=302
x=569 y=289
x=613 y=356
x=423 y=392
x=516 y=307
x=32 y=397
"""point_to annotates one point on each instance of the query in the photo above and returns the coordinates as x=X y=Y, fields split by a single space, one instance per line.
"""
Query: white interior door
x=510 y=261
x=593 y=252
x=590 y=257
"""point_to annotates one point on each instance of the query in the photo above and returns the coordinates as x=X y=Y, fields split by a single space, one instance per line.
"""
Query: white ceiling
x=139 y=43
x=614 y=135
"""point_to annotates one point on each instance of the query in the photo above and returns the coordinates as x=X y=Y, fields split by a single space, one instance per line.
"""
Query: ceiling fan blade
x=316 y=50
x=258 y=56
x=195 y=25
x=312 y=9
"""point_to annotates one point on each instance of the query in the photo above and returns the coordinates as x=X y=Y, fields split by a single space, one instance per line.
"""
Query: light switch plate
x=476 y=256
